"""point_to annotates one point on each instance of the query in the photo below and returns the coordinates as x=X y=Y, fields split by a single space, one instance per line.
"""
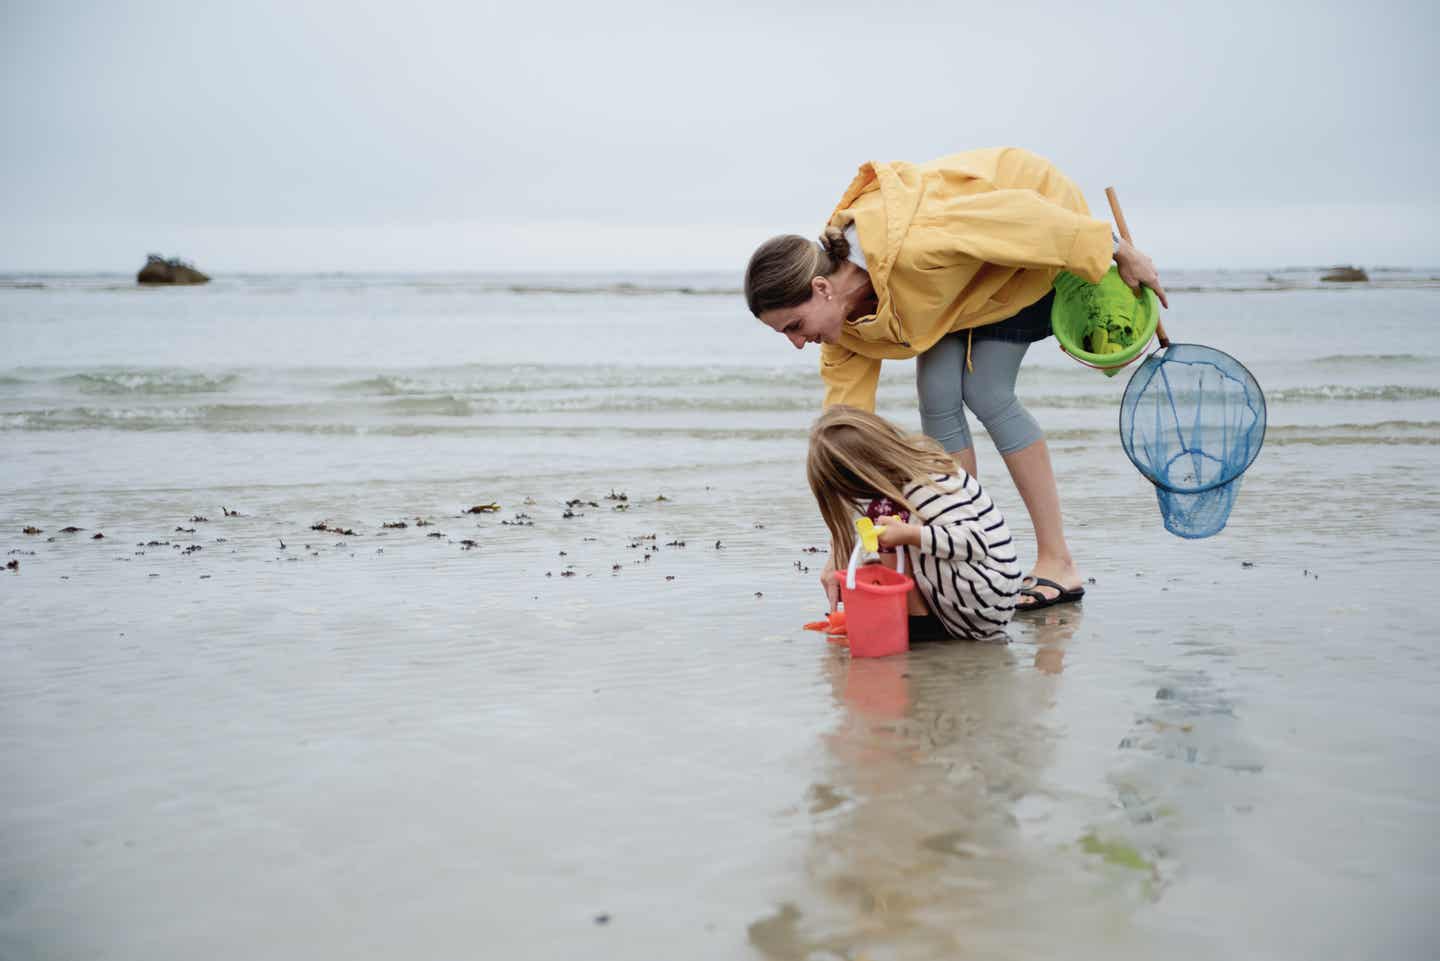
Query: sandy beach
x=597 y=729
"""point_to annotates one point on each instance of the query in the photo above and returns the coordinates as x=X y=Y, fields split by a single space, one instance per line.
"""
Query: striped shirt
x=965 y=568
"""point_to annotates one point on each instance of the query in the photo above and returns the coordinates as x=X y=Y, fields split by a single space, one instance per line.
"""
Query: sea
x=461 y=615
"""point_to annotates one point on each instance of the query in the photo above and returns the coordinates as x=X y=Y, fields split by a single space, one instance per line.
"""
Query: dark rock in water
x=1346 y=275
x=158 y=270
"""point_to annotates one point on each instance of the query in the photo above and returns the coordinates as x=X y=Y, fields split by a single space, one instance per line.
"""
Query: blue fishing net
x=1192 y=420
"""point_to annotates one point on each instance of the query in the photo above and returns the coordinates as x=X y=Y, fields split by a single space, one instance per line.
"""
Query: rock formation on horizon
x=158 y=270
x=1346 y=275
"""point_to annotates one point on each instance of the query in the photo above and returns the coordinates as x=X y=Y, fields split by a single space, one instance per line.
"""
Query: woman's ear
x=820 y=286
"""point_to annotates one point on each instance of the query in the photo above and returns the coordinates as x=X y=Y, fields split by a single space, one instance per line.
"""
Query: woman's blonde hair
x=856 y=456
x=782 y=267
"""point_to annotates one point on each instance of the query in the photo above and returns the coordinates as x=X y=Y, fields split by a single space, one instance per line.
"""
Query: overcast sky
x=557 y=136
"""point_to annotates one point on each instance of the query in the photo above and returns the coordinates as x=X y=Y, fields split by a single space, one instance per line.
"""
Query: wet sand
x=580 y=737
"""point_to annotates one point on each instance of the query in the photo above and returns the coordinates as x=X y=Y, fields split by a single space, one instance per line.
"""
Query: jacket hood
x=881 y=201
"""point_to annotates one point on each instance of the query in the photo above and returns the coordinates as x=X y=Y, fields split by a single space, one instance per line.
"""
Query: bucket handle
x=855 y=562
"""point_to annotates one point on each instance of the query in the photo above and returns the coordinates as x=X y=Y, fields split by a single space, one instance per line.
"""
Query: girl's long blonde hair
x=856 y=456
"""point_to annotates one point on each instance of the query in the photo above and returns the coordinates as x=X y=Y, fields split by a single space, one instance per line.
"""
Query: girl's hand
x=829 y=581
x=1138 y=270
x=898 y=533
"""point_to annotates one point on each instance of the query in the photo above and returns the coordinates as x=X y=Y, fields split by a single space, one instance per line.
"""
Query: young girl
x=960 y=552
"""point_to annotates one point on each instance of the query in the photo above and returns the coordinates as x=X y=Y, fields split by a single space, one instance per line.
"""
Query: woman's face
x=818 y=320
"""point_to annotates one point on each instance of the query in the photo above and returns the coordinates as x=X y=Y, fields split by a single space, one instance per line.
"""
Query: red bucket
x=876 y=617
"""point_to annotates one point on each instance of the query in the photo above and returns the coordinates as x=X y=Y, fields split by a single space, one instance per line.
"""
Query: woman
x=951 y=262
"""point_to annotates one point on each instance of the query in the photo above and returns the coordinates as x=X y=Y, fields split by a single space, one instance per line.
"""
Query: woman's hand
x=1138 y=270
x=897 y=533
x=829 y=581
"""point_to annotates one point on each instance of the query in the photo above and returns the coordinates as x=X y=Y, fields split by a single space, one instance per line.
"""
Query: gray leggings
x=946 y=388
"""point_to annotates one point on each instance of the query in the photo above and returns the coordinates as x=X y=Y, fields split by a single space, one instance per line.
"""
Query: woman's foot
x=1037 y=594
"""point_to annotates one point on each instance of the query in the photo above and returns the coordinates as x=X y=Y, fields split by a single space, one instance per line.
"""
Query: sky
x=358 y=136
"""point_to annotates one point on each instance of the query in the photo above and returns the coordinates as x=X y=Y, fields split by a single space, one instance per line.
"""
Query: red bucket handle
x=855 y=563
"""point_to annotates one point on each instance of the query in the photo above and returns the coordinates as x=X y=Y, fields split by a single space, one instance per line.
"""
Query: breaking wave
x=147 y=382
x=1388 y=392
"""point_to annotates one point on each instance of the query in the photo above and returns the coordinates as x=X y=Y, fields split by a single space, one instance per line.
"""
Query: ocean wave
x=178 y=421
x=477 y=380
x=642 y=404
x=603 y=400
x=84 y=418
x=1182 y=282
x=805 y=401
x=727 y=399
x=443 y=406
x=383 y=386
x=1386 y=434
x=557 y=388
x=220 y=417
x=1385 y=392
x=1370 y=360
x=316 y=420
x=147 y=382
x=624 y=288
x=380 y=413
x=482 y=381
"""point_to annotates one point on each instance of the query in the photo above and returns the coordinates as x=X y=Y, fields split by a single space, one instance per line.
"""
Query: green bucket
x=1082 y=310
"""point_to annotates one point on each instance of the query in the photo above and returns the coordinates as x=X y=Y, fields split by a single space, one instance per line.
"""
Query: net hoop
x=1141 y=378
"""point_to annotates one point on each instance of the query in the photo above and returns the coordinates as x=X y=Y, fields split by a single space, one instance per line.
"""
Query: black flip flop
x=1041 y=601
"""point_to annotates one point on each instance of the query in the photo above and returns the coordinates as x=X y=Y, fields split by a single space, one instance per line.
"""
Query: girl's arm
x=897 y=533
x=830 y=582
x=960 y=539
x=954 y=524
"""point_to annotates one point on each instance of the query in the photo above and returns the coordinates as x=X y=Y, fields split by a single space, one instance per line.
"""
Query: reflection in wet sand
x=916 y=849
x=1050 y=632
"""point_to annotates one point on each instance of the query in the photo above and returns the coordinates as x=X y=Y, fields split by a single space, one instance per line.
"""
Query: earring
x=827 y=296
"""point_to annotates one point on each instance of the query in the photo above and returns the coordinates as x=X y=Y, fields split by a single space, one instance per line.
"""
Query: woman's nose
x=798 y=340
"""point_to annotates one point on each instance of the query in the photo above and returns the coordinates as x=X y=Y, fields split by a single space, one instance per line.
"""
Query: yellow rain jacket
x=954 y=244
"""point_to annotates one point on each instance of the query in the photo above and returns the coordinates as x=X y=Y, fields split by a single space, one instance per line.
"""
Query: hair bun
x=834 y=242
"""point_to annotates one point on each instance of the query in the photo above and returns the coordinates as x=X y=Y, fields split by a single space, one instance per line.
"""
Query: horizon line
x=595 y=269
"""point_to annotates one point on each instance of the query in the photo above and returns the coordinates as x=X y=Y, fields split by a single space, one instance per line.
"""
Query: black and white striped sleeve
x=952 y=520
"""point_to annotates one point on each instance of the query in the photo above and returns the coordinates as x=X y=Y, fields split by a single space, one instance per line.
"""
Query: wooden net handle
x=1124 y=229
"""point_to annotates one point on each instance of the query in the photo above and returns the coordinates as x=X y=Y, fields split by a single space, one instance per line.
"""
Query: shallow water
x=387 y=743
